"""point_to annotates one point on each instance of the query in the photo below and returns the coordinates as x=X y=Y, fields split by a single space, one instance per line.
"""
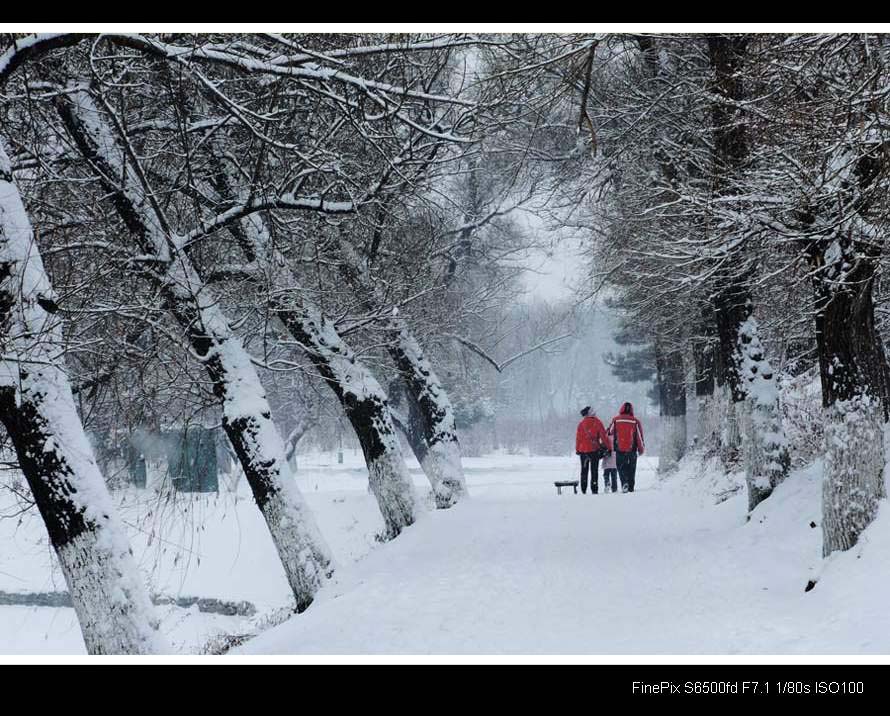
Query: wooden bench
x=566 y=483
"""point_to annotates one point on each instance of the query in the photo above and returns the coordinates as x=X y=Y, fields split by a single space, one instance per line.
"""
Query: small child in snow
x=610 y=472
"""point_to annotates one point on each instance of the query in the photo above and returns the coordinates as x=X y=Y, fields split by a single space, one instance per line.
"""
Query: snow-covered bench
x=566 y=483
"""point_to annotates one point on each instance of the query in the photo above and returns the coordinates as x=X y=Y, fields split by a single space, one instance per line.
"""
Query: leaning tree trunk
x=367 y=409
x=437 y=449
x=363 y=399
x=247 y=418
x=247 y=421
x=37 y=409
x=438 y=452
x=750 y=380
x=853 y=372
x=671 y=377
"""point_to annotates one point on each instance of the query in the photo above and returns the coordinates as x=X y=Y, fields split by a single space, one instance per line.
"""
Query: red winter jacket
x=591 y=435
x=627 y=431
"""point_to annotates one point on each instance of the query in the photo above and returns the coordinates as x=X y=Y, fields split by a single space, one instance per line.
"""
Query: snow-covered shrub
x=803 y=415
x=705 y=476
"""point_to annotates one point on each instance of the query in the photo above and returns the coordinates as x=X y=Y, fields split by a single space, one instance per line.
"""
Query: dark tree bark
x=703 y=351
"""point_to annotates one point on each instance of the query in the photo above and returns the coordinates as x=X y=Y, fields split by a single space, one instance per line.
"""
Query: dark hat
x=585 y=410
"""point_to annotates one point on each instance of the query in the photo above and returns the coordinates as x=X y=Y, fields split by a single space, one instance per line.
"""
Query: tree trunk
x=748 y=376
x=362 y=397
x=853 y=367
x=721 y=407
x=753 y=413
x=438 y=449
x=703 y=356
x=37 y=409
x=367 y=408
x=732 y=297
x=247 y=418
x=732 y=308
x=405 y=416
x=853 y=372
x=671 y=376
x=729 y=414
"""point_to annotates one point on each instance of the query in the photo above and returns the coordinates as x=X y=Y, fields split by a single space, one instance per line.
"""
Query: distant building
x=191 y=454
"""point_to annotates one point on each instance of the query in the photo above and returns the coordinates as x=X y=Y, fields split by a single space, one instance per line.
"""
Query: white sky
x=552 y=272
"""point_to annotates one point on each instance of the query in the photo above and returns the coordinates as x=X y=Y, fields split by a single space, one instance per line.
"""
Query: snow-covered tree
x=38 y=411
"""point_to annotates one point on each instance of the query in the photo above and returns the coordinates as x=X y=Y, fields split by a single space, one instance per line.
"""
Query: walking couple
x=618 y=447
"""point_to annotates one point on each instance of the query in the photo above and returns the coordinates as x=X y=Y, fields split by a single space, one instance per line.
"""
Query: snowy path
x=517 y=569
x=656 y=571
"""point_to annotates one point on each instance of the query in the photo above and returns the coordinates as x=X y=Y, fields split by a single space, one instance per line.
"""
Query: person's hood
x=626 y=409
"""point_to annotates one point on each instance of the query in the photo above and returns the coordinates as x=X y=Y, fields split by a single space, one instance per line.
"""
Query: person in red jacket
x=627 y=439
x=591 y=443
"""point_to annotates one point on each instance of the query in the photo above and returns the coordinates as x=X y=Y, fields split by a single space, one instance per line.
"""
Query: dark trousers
x=590 y=461
x=610 y=479
x=627 y=469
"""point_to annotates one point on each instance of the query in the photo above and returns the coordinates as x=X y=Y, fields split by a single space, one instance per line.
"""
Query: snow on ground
x=664 y=570
x=516 y=569
x=189 y=545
